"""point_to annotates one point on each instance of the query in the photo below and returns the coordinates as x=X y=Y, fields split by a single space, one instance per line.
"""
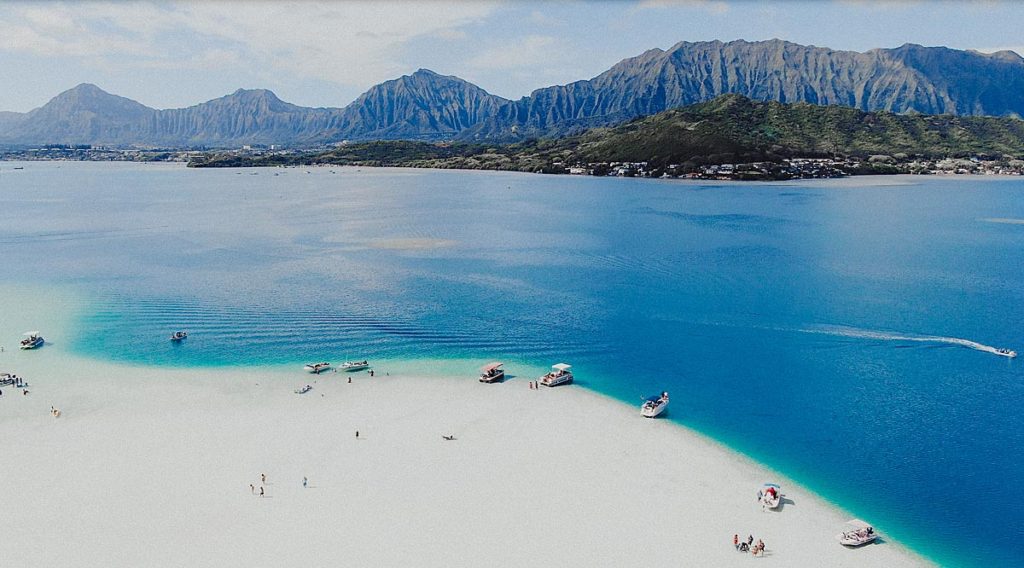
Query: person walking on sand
x=304 y=482
x=263 y=478
x=736 y=541
x=252 y=489
x=261 y=491
x=350 y=380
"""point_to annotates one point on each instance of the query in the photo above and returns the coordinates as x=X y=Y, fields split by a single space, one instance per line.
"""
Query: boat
x=32 y=340
x=304 y=389
x=654 y=405
x=1006 y=352
x=492 y=373
x=317 y=368
x=856 y=533
x=355 y=365
x=559 y=375
x=179 y=335
x=770 y=496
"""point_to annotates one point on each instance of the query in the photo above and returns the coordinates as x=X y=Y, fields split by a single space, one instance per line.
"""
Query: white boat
x=492 y=373
x=559 y=375
x=856 y=533
x=178 y=335
x=654 y=405
x=317 y=368
x=304 y=389
x=1006 y=352
x=770 y=496
x=355 y=365
x=32 y=340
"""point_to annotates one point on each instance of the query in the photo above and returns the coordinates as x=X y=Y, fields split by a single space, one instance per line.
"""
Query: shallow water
x=839 y=331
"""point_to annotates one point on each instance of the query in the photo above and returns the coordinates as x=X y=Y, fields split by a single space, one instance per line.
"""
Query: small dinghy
x=770 y=496
x=179 y=335
x=304 y=389
x=856 y=533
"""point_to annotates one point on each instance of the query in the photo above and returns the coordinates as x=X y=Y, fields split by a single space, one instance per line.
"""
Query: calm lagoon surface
x=815 y=326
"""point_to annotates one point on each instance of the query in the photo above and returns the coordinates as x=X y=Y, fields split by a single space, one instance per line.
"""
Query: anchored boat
x=856 y=533
x=178 y=335
x=770 y=496
x=559 y=375
x=654 y=405
x=355 y=365
x=317 y=368
x=32 y=340
x=492 y=373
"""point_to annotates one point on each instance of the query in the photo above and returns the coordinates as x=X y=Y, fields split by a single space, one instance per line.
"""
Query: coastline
x=151 y=466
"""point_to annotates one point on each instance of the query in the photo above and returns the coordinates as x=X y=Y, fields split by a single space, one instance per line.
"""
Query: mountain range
x=429 y=106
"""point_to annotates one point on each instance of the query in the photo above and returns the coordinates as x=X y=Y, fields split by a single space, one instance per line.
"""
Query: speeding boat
x=654 y=405
x=32 y=340
x=770 y=496
x=355 y=365
x=559 y=375
x=317 y=368
x=856 y=533
x=178 y=335
x=1006 y=352
x=304 y=389
x=492 y=373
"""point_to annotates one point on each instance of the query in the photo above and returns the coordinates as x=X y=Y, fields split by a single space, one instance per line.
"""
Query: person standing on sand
x=261 y=491
x=263 y=480
x=357 y=434
x=304 y=481
x=252 y=489
x=736 y=541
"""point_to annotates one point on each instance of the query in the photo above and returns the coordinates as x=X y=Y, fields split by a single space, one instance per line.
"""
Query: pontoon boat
x=559 y=375
x=492 y=373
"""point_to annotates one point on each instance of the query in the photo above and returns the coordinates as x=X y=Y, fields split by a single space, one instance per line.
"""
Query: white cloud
x=713 y=6
x=530 y=51
x=348 y=43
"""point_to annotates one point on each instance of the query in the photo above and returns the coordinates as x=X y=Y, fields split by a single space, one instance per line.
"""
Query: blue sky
x=174 y=54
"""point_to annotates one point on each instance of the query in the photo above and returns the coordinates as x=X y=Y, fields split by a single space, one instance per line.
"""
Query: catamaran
x=770 y=496
x=654 y=405
x=559 y=375
x=856 y=533
x=317 y=368
x=492 y=373
x=178 y=335
x=32 y=340
x=355 y=365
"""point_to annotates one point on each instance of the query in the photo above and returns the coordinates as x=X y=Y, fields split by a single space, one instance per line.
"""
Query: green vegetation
x=729 y=129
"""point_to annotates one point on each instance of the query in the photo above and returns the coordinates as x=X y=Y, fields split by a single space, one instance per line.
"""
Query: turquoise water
x=813 y=326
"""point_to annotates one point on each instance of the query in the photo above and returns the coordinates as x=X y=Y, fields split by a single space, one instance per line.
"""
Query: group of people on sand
x=263 y=482
x=748 y=545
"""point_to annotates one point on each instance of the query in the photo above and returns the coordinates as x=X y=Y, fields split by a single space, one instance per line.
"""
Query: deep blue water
x=782 y=318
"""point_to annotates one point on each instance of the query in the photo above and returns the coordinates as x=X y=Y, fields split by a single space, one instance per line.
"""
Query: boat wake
x=844 y=331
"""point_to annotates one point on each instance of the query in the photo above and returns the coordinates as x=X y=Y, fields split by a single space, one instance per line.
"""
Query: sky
x=177 y=54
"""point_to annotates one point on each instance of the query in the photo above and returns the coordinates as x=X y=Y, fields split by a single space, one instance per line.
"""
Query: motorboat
x=654 y=405
x=32 y=340
x=856 y=533
x=492 y=373
x=304 y=389
x=178 y=335
x=355 y=365
x=1006 y=352
x=770 y=496
x=559 y=375
x=317 y=368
